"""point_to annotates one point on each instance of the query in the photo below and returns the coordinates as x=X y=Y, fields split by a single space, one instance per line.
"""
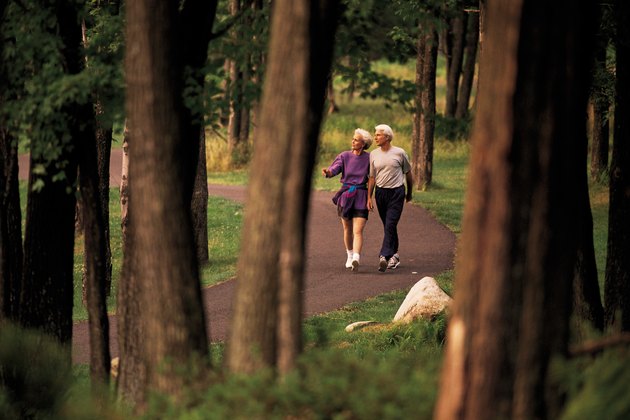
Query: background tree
x=10 y=213
x=457 y=36
x=163 y=263
x=196 y=22
x=517 y=253
x=617 y=285
x=470 y=62
x=602 y=95
x=266 y=322
x=424 y=116
x=47 y=291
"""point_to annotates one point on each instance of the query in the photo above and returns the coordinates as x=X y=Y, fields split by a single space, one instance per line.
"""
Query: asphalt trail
x=426 y=249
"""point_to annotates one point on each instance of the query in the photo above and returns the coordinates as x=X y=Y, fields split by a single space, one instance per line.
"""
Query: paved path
x=426 y=248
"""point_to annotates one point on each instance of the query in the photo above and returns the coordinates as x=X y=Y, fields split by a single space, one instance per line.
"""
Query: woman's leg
x=347 y=233
x=347 y=240
x=358 y=224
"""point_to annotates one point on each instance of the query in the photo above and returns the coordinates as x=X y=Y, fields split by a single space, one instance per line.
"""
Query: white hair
x=367 y=137
x=385 y=129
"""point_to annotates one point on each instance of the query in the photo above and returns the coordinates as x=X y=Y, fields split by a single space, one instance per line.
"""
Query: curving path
x=426 y=248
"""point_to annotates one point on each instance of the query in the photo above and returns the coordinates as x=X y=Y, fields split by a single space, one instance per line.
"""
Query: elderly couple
x=386 y=168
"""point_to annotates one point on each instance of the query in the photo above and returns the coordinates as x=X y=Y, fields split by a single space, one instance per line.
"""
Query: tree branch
x=592 y=347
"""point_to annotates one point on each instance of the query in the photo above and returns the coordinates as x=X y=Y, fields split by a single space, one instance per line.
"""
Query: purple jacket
x=354 y=173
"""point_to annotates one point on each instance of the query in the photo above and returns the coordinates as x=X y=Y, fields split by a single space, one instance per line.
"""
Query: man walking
x=389 y=169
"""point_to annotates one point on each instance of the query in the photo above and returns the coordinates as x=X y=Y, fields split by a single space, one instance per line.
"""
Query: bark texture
x=617 y=286
x=164 y=267
x=517 y=253
x=458 y=34
x=424 y=117
x=267 y=312
x=470 y=62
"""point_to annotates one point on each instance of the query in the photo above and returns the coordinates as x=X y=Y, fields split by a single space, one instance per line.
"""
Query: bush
x=35 y=375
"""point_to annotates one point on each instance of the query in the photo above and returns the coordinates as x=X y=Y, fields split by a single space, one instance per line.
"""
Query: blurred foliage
x=35 y=375
x=596 y=388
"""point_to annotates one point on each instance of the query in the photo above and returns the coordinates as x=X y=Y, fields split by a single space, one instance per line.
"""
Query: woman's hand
x=370 y=206
x=326 y=172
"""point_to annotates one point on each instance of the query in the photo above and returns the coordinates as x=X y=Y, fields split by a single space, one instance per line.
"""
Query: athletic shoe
x=393 y=262
x=355 y=265
x=382 y=264
x=349 y=262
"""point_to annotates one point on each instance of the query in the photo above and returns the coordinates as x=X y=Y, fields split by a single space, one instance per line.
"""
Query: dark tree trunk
x=617 y=286
x=458 y=28
x=587 y=302
x=10 y=227
x=95 y=249
x=194 y=45
x=103 y=153
x=47 y=292
x=468 y=72
x=517 y=253
x=10 y=212
x=238 y=123
x=424 y=117
x=601 y=105
x=330 y=95
x=161 y=182
x=199 y=204
x=266 y=323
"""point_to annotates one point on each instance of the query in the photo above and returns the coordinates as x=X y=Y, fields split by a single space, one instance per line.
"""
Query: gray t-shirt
x=389 y=168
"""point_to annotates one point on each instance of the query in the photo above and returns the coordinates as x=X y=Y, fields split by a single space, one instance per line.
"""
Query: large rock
x=425 y=300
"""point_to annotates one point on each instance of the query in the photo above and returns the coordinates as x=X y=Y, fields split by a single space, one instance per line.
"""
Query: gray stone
x=425 y=300
x=358 y=325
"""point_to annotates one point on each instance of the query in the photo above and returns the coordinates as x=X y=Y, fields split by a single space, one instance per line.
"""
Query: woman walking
x=352 y=198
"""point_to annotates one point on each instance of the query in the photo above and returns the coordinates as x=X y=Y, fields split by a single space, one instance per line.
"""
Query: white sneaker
x=355 y=263
x=393 y=262
x=349 y=262
x=382 y=264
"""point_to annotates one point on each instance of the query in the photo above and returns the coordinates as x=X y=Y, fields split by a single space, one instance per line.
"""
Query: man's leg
x=392 y=217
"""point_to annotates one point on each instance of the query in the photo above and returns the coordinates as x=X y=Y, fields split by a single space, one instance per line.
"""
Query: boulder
x=425 y=300
x=358 y=325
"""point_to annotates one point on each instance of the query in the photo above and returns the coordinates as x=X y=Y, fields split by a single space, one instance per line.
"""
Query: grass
x=224 y=227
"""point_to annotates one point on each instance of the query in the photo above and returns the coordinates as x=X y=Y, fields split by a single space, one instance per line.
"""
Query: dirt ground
x=426 y=249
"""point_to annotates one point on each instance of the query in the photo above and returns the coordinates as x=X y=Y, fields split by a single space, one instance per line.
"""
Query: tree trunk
x=458 y=28
x=617 y=286
x=95 y=250
x=132 y=371
x=194 y=46
x=103 y=154
x=47 y=289
x=10 y=227
x=124 y=186
x=601 y=105
x=330 y=95
x=516 y=259
x=424 y=117
x=199 y=204
x=239 y=113
x=266 y=321
x=10 y=212
x=468 y=76
x=587 y=303
x=161 y=180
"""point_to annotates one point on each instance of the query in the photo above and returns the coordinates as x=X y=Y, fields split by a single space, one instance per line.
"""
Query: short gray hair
x=367 y=137
x=386 y=129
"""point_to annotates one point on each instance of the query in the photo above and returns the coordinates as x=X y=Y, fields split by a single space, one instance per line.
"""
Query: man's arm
x=371 y=183
x=409 y=177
